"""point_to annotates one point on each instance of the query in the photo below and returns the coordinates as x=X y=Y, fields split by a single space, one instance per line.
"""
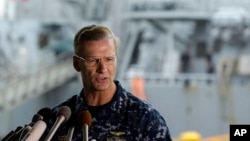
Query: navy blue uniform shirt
x=125 y=117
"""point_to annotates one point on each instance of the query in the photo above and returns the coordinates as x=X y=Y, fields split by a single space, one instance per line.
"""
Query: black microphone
x=47 y=114
x=5 y=138
x=42 y=114
x=25 y=132
x=85 y=120
x=63 y=115
x=11 y=133
x=17 y=134
x=72 y=125
x=39 y=127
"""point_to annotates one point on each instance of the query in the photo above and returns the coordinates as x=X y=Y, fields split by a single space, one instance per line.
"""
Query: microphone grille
x=64 y=111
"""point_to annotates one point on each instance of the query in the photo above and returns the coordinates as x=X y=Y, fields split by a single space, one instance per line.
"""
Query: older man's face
x=98 y=70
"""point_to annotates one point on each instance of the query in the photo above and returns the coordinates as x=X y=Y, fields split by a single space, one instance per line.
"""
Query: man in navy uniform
x=115 y=112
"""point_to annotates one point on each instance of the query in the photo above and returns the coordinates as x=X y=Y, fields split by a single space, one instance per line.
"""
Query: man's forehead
x=101 y=39
x=108 y=39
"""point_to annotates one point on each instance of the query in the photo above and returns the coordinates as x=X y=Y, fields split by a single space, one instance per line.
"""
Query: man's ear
x=76 y=64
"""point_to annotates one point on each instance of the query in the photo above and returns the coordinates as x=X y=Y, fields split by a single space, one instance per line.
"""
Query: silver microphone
x=63 y=115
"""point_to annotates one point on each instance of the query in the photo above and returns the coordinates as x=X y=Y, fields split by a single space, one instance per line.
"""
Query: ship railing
x=174 y=79
x=187 y=79
x=18 y=88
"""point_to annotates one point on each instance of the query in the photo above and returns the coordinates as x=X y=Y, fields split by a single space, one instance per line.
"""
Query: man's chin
x=102 y=87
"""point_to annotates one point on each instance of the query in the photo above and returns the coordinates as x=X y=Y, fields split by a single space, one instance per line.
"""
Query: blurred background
x=189 y=58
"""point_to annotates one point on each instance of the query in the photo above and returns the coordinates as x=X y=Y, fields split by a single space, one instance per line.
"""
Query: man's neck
x=95 y=98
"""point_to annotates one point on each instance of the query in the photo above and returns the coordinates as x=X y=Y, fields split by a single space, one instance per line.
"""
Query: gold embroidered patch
x=62 y=138
x=119 y=133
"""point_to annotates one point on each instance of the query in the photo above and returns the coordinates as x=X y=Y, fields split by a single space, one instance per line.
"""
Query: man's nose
x=102 y=66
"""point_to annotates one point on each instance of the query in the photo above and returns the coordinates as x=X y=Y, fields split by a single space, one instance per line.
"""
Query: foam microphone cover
x=46 y=113
x=63 y=116
x=85 y=118
x=37 y=131
x=65 y=112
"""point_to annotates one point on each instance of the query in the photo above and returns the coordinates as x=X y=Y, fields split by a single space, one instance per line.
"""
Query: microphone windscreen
x=64 y=111
x=63 y=115
x=37 y=131
x=85 y=118
x=46 y=113
x=73 y=120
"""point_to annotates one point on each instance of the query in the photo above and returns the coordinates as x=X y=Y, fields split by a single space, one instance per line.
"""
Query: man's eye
x=91 y=60
x=110 y=58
